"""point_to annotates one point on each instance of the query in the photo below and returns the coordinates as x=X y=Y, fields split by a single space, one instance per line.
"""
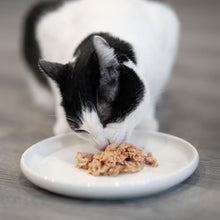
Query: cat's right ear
x=53 y=70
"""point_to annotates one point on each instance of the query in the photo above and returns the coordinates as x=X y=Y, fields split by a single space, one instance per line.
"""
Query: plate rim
x=62 y=188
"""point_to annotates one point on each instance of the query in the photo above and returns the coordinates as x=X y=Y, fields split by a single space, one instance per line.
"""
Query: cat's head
x=101 y=93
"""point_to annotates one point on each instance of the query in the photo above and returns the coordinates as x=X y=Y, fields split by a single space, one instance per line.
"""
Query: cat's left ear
x=104 y=52
x=53 y=70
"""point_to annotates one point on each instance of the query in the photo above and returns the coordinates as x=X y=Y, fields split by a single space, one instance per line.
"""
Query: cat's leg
x=61 y=126
x=168 y=32
x=41 y=95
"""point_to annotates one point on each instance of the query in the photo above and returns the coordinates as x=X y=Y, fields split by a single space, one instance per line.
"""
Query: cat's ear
x=104 y=52
x=53 y=70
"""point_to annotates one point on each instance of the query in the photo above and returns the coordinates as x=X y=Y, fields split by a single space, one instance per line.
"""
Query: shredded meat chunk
x=115 y=159
x=150 y=160
x=84 y=159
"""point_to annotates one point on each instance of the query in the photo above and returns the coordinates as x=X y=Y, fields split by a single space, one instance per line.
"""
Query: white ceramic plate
x=50 y=164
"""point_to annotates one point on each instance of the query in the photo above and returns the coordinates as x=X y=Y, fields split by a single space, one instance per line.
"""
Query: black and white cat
x=107 y=63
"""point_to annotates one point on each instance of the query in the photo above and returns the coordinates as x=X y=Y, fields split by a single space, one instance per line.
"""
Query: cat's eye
x=81 y=131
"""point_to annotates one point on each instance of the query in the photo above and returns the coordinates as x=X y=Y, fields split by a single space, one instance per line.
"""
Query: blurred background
x=190 y=109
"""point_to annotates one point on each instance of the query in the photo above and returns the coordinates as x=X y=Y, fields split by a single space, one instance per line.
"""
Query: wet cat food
x=115 y=159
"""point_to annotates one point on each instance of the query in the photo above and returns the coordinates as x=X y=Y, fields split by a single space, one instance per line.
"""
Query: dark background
x=190 y=109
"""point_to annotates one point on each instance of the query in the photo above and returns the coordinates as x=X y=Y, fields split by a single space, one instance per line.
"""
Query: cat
x=106 y=63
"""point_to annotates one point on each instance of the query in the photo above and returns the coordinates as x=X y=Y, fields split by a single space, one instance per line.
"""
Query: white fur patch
x=93 y=126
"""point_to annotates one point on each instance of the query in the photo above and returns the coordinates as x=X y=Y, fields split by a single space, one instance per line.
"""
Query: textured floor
x=190 y=109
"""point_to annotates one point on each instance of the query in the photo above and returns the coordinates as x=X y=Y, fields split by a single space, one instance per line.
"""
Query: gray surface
x=190 y=109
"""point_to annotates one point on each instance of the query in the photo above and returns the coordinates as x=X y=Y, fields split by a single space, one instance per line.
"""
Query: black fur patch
x=130 y=94
x=130 y=89
x=79 y=86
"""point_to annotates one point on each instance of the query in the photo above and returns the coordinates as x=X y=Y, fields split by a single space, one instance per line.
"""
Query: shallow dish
x=50 y=164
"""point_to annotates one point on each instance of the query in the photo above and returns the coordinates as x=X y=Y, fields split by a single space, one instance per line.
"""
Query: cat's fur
x=108 y=61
